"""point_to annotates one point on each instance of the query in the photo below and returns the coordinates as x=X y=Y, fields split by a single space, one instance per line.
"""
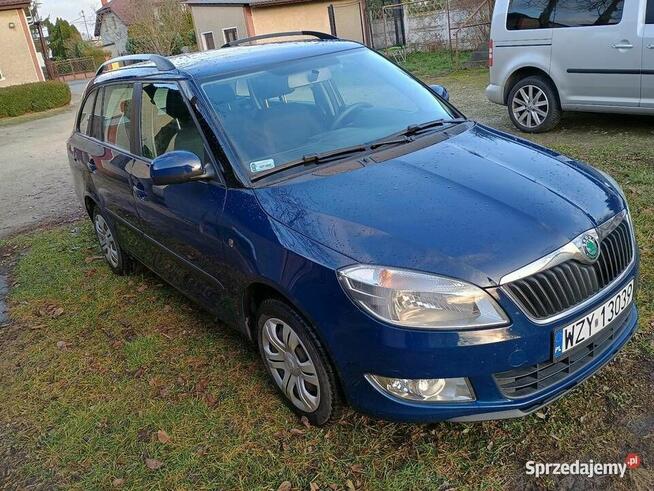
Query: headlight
x=420 y=300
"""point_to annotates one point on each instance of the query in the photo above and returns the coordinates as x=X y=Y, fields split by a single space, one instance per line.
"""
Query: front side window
x=530 y=14
x=650 y=12
x=166 y=123
x=86 y=114
x=316 y=105
x=578 y=13
x=117 y=115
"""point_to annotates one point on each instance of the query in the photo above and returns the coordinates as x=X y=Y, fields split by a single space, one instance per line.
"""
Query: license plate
x=588 y=326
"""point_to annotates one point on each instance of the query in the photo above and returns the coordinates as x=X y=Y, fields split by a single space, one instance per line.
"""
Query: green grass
x=139 y=358
x=426 y=64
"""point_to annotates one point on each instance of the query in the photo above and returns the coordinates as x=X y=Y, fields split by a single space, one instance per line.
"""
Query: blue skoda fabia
x=380 y=249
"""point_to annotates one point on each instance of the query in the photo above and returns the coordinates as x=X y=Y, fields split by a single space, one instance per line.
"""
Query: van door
x=182 y=222
x=596 y=53
x=647 y=74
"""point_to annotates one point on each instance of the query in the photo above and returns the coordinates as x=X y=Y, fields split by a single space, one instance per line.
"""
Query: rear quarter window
x=530 y=14
x=86 y=113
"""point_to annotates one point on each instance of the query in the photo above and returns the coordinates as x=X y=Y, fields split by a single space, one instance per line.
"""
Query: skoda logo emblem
x=590 y=247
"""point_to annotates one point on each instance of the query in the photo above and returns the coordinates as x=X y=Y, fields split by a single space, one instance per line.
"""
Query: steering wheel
x=348 y=112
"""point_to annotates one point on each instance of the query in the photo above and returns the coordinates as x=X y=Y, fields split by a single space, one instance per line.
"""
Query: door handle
x=650 y=46
x=623 y=45
x=91 y=165
x=139 y=191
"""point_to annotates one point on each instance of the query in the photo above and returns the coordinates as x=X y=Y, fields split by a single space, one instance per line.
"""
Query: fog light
x=424 y=389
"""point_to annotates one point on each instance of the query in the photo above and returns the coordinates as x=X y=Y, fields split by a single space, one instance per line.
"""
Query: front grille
x=522 y=382
x=557 y=289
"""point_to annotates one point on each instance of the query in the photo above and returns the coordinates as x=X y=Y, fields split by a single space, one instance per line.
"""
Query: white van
x=549 y=56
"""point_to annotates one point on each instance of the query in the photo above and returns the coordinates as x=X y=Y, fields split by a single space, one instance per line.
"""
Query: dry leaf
x=314 y=487
x=296 y=431
x=162 y=436
x=139 y=373
x=211 y=400
x=285 y=486
x=62 y=344
x=90 y=259
x=118 y=482
x=356 y=468
x=153 y=464
x=305 y=421
x=142 y=288
x=540 y=415
x=350 y=485
x=57 y=313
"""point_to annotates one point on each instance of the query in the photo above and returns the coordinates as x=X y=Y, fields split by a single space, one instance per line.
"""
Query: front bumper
x=375 y=348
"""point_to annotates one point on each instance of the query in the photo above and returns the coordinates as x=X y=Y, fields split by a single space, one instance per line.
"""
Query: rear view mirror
x=441 y=91
x=177 y=167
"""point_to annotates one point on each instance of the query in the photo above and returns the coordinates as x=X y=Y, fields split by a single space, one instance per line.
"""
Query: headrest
x=270 y=85
x=221 y=93
x=175 y=106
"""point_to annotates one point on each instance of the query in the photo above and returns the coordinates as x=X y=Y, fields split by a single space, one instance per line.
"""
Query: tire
x=119 y=262
x=296 y=362
x=542 y=111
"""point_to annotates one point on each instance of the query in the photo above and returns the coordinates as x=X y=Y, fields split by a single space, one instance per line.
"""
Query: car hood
x=476 y=206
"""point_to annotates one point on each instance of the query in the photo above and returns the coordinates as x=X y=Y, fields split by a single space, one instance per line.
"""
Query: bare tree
x=164 y=27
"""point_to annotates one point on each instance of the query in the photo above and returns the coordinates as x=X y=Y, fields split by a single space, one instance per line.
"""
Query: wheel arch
x=524 y=72
x=90 y=204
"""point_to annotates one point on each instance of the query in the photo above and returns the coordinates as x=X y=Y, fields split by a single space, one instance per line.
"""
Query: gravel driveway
x=35 y=184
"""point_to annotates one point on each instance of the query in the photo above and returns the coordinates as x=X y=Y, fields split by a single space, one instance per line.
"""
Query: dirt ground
x=35 y=184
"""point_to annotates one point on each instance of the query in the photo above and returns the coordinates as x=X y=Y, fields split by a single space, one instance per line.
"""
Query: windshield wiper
x=314 y=158
x=417 y=128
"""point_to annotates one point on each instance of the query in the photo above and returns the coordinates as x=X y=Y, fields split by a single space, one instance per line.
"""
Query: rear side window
x=86 y=113
x=117 y=115
x=650 y=12
x=530 y=14
x=577 y=13
x=166 y=123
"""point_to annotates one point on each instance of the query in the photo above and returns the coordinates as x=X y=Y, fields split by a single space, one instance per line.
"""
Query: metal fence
x=457 y=26
x=75 y=68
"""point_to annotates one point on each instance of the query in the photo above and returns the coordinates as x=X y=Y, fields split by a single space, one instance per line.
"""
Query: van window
x=577 y=13
x=117 y=115
x=86 y=113
x=650 y=12
x=166 y=123
x=530 y=14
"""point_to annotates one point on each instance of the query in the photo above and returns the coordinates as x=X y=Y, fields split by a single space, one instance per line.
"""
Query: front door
x=596 y=52
x=182 y=222
x=647 y=76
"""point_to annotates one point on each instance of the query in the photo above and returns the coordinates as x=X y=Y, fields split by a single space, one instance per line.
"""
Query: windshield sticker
x=261 y=165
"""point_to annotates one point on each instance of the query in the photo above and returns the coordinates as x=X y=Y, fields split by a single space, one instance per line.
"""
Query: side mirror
x=441 y=91
x=177 y=167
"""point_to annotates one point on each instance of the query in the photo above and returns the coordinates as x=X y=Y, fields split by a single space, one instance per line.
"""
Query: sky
x=71 y=11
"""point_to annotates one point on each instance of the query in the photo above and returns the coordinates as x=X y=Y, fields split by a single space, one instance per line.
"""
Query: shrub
x=32 y=98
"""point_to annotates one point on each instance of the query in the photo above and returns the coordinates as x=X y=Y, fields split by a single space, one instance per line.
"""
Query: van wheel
x=533 y=105
x=119 y=262
x=296 y=362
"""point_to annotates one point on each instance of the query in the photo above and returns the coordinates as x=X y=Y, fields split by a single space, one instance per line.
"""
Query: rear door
x=647 y=76
x=103 y=146
x=183 y=222
x=596 y=52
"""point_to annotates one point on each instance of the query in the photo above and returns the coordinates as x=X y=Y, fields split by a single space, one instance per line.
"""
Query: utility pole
x=86 y=26
x=44 y=49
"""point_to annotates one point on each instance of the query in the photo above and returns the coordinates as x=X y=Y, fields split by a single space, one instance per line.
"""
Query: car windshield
x=301 y=108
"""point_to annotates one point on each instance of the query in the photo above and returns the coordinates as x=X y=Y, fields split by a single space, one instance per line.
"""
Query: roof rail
x=163 y=64
x=320 y=35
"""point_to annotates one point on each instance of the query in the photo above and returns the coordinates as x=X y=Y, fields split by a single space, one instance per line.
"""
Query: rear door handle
x=650 y=46
x=622 y=46
x=91 y=165
x=139 y=191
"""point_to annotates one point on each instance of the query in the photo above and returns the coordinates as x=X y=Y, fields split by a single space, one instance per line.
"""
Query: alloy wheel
x=291 y=366
x=530 y=106
x=107 y=240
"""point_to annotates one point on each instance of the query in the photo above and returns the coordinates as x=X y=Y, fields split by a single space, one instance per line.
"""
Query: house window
x=230 y=34
x=209 y=42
